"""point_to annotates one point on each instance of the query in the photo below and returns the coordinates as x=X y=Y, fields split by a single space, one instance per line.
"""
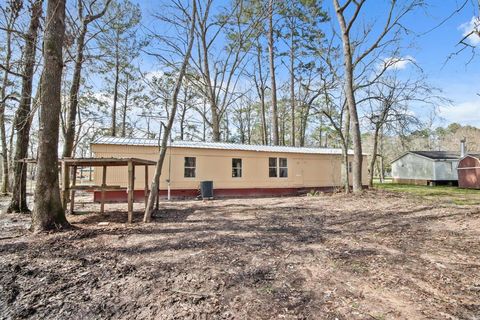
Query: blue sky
x=458 y=78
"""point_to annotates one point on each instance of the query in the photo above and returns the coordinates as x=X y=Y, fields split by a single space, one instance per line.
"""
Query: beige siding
x=304 y=170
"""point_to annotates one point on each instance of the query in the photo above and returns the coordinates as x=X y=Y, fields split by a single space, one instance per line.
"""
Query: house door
x=298 y=178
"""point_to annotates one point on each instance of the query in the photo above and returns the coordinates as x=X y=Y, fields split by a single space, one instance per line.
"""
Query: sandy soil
x=378 y=256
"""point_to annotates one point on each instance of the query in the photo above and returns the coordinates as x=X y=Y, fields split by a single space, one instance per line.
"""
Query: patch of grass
x=450 y=194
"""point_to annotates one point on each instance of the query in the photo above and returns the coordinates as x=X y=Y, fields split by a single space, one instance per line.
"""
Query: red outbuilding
x=469 y=171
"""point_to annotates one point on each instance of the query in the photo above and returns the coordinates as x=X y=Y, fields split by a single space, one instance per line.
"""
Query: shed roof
x=216 y=145
x=439 y=155
x=475 y=155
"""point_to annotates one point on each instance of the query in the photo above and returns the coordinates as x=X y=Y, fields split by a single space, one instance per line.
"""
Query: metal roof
x=439 y=155
x=474 y=155
x=216 y=145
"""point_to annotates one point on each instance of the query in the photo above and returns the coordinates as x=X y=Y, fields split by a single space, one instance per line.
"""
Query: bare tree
x=273 y=83
x=85 y=19
x=11 y=14
x=260 y=79
x=390 y=101
x=354 y=56
x=218 y=74
x=48 y=212
x=23 y=118
x=120 y=45
x=171 y=118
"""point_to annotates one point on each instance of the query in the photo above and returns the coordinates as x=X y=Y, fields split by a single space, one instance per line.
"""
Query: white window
x=236 y=168
x=190 y=167
x=272 y=167
x=283 y=168
x=278 y=167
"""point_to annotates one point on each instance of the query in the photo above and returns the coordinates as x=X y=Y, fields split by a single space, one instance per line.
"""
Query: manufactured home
x=469 y=171
x=426 y=167
x=235 y=169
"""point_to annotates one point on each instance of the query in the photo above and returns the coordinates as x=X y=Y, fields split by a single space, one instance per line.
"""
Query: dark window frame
x=189 y=168
x=274 y=168
x=237 y=169
x=282 y=169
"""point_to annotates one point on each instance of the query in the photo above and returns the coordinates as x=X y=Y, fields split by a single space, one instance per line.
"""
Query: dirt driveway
x=378 y=256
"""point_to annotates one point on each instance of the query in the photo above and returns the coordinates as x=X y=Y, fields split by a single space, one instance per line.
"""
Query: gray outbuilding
x=426 y=167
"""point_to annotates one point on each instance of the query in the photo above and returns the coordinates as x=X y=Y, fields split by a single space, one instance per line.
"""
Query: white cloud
x=154 y=74
x=467 y=112
x=398 y=63
x=467 y=28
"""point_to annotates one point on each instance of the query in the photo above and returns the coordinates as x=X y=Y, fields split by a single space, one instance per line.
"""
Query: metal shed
x=426 y=167
x=469 y=171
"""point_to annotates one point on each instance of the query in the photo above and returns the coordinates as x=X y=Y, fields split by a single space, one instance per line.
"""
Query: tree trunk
x=115 y=92
x=264 y=119
x=70 y=131
x=352 y=105
x=216 y=136
x=163 y=150
x=22 y=122
x=125 y=104
x=183 y=114
x=260 y=85
x=381 y=170
x=275 y=137
x=292 y=84
x=3 y=100
x=374 y=156
x=73 y=99
x=209 y=88
x=48 y=212
x=345 y=143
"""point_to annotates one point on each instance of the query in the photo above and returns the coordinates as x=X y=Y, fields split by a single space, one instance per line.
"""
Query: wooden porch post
x=131 y=186
x=72 y=189
x=104 y=183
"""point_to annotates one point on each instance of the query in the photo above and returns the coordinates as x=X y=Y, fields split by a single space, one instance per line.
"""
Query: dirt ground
x=376 y=256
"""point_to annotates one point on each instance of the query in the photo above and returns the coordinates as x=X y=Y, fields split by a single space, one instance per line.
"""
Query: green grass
x=454 y=195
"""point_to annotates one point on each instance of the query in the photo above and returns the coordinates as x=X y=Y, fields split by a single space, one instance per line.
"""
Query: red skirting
x=121 y=196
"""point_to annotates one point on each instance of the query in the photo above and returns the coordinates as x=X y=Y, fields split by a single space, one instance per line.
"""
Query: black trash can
x=206 y=189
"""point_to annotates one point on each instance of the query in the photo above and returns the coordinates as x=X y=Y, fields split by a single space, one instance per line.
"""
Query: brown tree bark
x=48 y=213
x=210 y=90
x=351 y=103
x=73 y=99
x=261 y=88
x=183 y=114
x=273 y=84
x=292 y=85
x=125 y=106
x=22 y=122
x=115 y=90
x=374 y=156
x=3 y=100
x=166 y=135
x=346 y=160
x=69 y=138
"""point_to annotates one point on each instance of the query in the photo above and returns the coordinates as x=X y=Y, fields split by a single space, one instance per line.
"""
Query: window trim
x=280 y=167
x=237 y=168
x=275 y=167
x=194 y=168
